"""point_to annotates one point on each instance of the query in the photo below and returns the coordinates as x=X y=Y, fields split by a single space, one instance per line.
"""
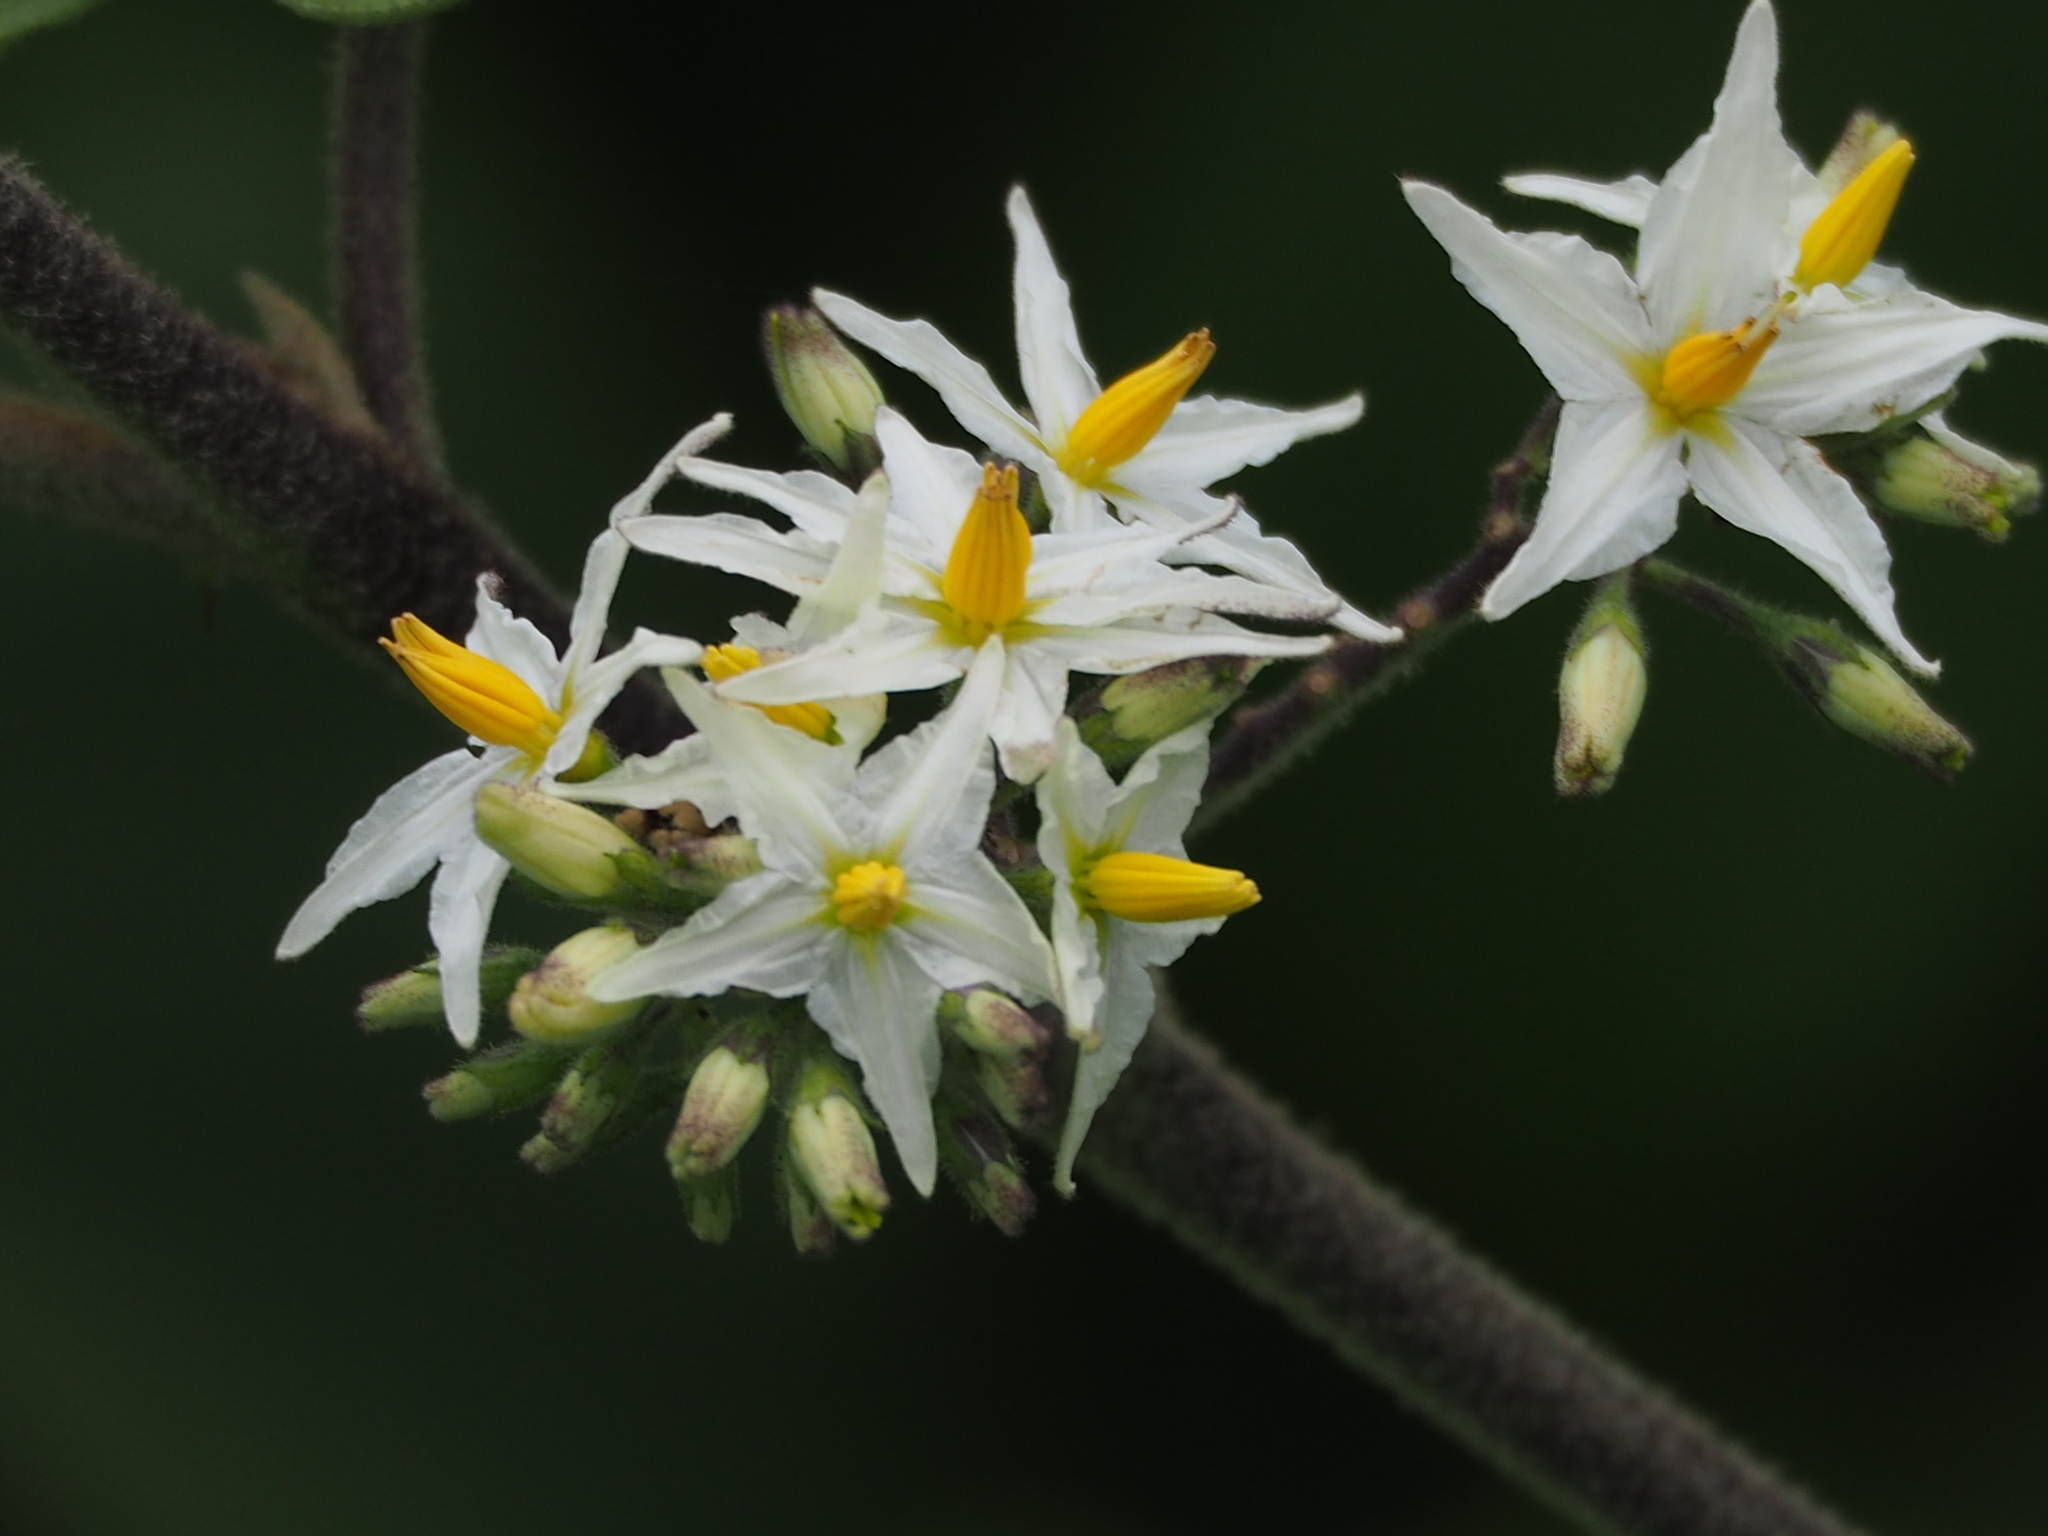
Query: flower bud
x=1943 y=477
x=1128 y=714
x=987 y=1022
x=827 y=391
x=496 y=1081
x=593 y=1089
x=1016 y=1090
x=1858 y=690
x=712 y=1204
x=413 y=997
x=552 y=1002
x=831 y=1147
x=727 y=1095
x=809 y=1227
x=563 y=847
x=979 y=1157
x=1600 y=692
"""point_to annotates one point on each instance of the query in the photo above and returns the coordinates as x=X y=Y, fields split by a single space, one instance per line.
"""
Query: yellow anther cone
x=1158 y=888
x=984 y=578
x=1710 y=368
x=868 y=896
x=486 y=699
x=724 y=661
x=1840 y=243
x=1127 y=415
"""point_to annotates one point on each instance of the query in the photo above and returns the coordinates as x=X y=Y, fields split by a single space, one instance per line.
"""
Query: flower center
x=1840 y=243
x=984 y=578
x=814 y=720
x=1124 y=417
x=868 y=896
x=1157 y=888
x=1709 y=369
x=486 y=699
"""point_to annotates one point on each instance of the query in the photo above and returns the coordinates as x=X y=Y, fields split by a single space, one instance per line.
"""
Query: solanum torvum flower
x=1741 y=331
x=1140 y=444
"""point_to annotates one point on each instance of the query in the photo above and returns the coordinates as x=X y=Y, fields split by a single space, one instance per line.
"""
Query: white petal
x=1075 y=800
x=1573 y=308
x=512 y=642
x=970 y=394
x=930 y=487
x=1624 y=202
x=856 y=576
x=1843 y=365
x=602 y=564
x=1779 y=487
x=968 y=926
x=920 y=784
x=1615 y=483
x=1033 y=700
x=1136 y=644
x=795 y=562
x=589 y=692
x=1936 y=425
x=636 y=501
x=1058 y=382
x=882 y=650
x=1125 y=1012
x=816 y=503
x=1207 y=439
x=394 y=843
x=1160 y=794
x=877 y=1005
x=1077 y=957
x=1716 y=235
x=1075 y=508
x=683 y=770
x=765 y=933
x=458 y=918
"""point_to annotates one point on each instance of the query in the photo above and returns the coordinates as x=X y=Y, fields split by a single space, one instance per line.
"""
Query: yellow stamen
x=984 y=579
x=868 y=896
x=814 y=720
x=486 y=699
x=1124 y=417
x=1156 y=888
x=1840 y=243
x=1709 y=369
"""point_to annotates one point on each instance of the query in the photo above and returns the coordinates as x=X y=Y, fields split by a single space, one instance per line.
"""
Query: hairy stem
x=1189 y=1144
x=1266 y=739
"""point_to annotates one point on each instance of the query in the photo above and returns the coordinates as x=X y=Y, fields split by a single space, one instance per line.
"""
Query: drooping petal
x=591 y=690
x=513 y=643
x=965 y=386
x=877 y=1006
x=1716 y=236
x=966 y=925
x=1121 y=1017
x=458 y=918
x=1780 y=487
x=915 y=784
x=683 y=770
x=1843 y=365
x=745 y=546
x=1615 y=484
x=1058 y=382
x=1207 y=439
x=1573 y=308
x=816 y=503
x=1624 y=202
x=766 y=933
x=394 y=843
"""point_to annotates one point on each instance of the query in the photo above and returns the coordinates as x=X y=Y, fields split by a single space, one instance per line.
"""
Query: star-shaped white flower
x=1125 y=898
x=1139 y=444
x=530 y=713
x=1706 y=368
x=873 y=897
x=959 y=566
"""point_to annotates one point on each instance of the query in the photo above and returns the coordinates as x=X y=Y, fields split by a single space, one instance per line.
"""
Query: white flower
x=530 y=712
x=959 y=566
x=1706 y=368
x=873 y=896
x=1139 y=444
x=1125 y=897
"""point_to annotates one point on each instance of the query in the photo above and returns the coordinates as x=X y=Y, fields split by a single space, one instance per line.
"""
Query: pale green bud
x=984 y=1020
x=726 y=1098
x=562 y=847
x=497 y=1081
x=1940 y=477
x=979 y=1157
x=1858 y=690
x=1600 y=692
x=809 y=1227
x=831 y=1147
x=595 y=1087
x=552 y=1001
x=413 y=997
x=827 y=391
x=1016 y=1090
x=1130 y=713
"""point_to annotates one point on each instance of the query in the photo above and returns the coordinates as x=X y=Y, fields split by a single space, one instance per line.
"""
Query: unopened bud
x=986 y=1021
x=809 y=1227
x=1600 y=692
x=1131 y=713
x=593 y=1089
x=830 y=1144
x=711 y=1204
x=497 y=1081
x=978 y=1155
x=413 y=997
x=827 y=391
x=727 y=1095
x=552 y=1001
x=1858 y=690
x=1943 y=477
x=1016 y=1090
x=563 y=847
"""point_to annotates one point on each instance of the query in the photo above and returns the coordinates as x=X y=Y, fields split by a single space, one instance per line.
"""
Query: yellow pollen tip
x=1709 y=369
x=730 y=660
x=868 y=896
x=486 y=699
x=1840 y=243
x=984 y=578
x=1127 y=415
x=1157 y=888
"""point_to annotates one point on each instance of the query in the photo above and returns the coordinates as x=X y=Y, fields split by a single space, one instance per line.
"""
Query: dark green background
x=1740 y=1066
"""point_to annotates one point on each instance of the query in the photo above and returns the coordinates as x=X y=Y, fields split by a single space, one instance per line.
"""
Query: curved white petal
x=1573 y=308
x=1623 y=202
x=513 y=642
x=683 y=770
x=602 y=563
x=1075 y=508
x=1034 y=699
x=882 y=651
x=394 y=843
x=965 y=386
x=816 y=503
x=766 y=933
x=1136 y=644
x=921 y=785
x=1077 y=959
x=1780 y=487
x=856 y=576
x=1615 y=484
x=967 y=925
x=876 y=1004
x=930 y=487
x=1058 y=382
x=1124 y=1013
x=592 y=690
x=745 y=546
x=1075 y=801
x=1717 y=234
x=458 y=917
x=1160 y=794
x=1208 y=439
